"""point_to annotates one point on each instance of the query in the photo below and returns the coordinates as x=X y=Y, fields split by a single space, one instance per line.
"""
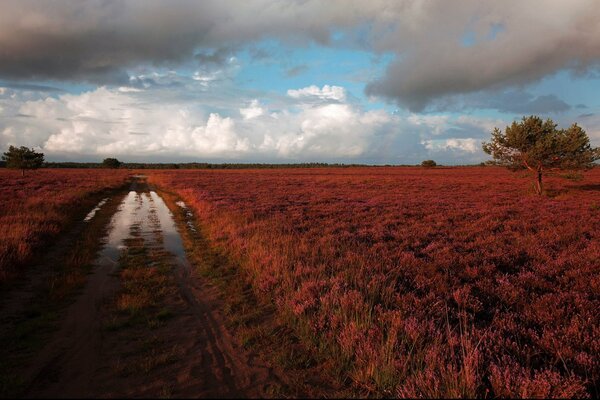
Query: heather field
x=418 y=282
x=37 y=207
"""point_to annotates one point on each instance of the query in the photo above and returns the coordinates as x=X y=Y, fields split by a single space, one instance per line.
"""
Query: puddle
x=146 y=213
x=171 y=238
x=91 y=214
x=189 y=216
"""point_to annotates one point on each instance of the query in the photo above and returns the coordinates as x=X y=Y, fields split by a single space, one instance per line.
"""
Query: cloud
x=252 y=111
x=98 y=40
x=296 y=70
x=336 y=93
x=468 y=145
x=586 y=115
x=511 y=43
x=507 y=101
x=217 y=57
x=591 y=123
x=31 y=87
x=163 y=124
x=538 y=38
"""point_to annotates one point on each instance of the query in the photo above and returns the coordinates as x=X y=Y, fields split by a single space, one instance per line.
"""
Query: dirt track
x=189 y=355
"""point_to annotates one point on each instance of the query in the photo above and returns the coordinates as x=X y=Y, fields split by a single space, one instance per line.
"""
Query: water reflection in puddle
x=147 y=214
x=91 y=214
x=172 y=240
x=188 y=215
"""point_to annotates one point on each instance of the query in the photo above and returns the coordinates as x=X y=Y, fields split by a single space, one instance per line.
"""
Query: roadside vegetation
x=37 y=207
x=419 y=282
x=31 y=310
x=254 y=320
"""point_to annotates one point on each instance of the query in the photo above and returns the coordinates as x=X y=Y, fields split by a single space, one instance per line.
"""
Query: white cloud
x=336 y=93
x=591 y=123
x=157 y=124
x=218 y=136
x=253 y=110
x=205 y=78
x=484 y=124
x=112 y=121
x=127 y=89
x=435 y=123
x=468 y=145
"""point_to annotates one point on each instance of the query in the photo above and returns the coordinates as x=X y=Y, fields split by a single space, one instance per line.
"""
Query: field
x=417 y=282
x=36 y=208
x=373 y=281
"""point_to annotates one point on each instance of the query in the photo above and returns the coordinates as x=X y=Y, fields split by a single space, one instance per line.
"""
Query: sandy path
x=82 y=359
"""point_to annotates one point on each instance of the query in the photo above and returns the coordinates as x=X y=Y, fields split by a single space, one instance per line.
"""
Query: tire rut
x=82 y=358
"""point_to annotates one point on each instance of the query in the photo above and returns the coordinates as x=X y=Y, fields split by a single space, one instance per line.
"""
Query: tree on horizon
x=22 y=158
x=538 y=146
x=111 y=163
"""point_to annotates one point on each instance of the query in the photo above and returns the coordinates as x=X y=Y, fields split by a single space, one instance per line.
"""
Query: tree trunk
x=23 y=172
x=539 y=181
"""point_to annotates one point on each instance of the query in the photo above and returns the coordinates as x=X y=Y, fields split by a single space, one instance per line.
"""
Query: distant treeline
x=202 y=165
x=228 y=165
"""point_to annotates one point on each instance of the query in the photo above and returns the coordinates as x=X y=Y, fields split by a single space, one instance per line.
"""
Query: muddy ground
x=143 y=323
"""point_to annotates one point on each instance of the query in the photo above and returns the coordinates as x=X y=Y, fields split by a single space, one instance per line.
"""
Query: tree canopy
x=22 y=158
x=111 y=163
x=539 y=146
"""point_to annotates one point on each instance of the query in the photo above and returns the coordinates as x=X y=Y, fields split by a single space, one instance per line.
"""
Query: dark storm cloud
x=98 y=40
x=538 y=38
x=586 y=115
x=217 y=57
x=31 y=87
x=94 y=40
x=508 y=101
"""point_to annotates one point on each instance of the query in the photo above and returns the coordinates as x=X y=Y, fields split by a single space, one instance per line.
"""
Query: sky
x=273 y=81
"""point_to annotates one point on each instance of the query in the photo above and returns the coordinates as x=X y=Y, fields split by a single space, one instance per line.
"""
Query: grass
x=26 y=335
x=37 y=208
x=253 y=320
x=408 y=281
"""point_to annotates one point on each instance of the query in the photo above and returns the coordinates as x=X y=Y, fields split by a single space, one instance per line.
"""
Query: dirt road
x=173 y=344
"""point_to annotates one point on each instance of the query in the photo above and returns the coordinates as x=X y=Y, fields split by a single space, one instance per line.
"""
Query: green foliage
x=538 y=145
x=111 y=163
x=428 y=163
x=22 y=158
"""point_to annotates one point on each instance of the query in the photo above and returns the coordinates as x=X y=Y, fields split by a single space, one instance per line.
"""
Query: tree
x=23 y=158
x=111 y=163
x=539 y=146
x=428 y=163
